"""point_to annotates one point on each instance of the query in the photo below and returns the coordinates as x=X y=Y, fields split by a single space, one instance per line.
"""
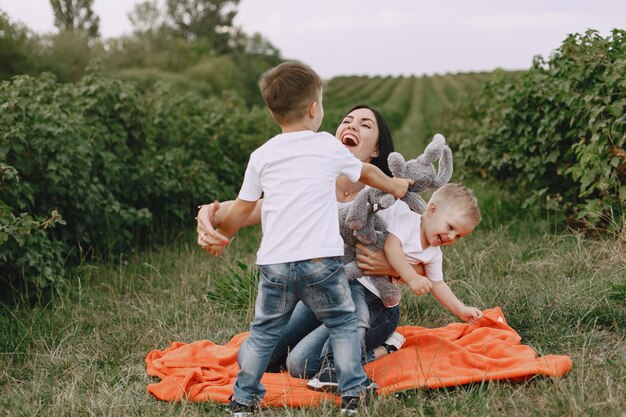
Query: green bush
x=219 y=72
x=555 y=133
x=147 y=78
x=114 y=162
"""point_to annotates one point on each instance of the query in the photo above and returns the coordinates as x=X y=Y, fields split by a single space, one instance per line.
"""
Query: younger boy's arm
x=376 y=263
x=420 y=285
x=374 y=177
x=237 y=214
x=442 y=292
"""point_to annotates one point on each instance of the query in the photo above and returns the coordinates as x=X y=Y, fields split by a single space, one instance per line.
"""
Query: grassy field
x=80 y=351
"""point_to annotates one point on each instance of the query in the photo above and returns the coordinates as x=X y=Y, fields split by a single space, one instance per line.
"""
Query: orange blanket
x=453 y=355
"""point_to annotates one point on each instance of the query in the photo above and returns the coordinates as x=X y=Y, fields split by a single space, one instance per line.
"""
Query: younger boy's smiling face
x=443 y=225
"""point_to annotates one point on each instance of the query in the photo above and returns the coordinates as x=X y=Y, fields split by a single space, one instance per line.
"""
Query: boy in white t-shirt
x=300 y=256
x=451 y=214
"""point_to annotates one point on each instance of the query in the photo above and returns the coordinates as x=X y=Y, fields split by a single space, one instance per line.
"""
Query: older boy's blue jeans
x=322 y=286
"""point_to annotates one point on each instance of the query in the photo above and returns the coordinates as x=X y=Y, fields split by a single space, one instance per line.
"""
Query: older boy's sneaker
x=326 y=380
x=351 y=405
x=394 y=343
x=240 y=410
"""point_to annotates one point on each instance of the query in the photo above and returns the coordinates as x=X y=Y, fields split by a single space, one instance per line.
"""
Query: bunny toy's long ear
x=397 y=165
x=444 y=172
x=433 y=150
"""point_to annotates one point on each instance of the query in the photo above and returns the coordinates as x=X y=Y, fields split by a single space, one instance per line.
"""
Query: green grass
x=82 y=353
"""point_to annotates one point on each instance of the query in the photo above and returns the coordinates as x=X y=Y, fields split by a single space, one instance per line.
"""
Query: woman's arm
x=212 y=215
x=374 y=263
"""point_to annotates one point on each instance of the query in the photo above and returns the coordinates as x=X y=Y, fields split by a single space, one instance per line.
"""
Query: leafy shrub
x=555 y=133
x=112 y=161
x=147 y=78
x=219 y=72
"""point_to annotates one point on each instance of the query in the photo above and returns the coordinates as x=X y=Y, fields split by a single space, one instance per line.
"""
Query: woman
x=364 y=132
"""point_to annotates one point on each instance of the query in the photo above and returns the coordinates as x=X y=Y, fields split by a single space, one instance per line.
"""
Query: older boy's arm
x=374 y=177
x=212 y=215
x=442 y=292
x=419 y=284
x=236 y=216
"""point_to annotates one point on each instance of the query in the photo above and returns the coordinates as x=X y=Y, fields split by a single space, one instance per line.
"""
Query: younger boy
x=451 y=214
x=300 y=257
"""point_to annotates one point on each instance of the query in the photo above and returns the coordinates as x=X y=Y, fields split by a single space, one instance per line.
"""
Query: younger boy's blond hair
x=288 y=89
x=459 y=196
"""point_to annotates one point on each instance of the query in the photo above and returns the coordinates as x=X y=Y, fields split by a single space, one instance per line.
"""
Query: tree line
x=193 y=44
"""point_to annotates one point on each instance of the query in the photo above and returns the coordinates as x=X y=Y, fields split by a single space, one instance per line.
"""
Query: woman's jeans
x=303 y=344
x=321 y=285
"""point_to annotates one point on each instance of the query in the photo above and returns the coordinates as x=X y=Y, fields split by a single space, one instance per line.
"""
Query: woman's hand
x=207 y=236
x=373 y=263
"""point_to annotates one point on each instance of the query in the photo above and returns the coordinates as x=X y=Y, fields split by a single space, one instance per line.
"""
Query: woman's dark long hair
x=385 y=141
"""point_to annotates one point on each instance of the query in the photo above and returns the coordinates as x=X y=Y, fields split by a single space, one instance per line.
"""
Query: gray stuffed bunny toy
x=421 y=169
x=359 y=222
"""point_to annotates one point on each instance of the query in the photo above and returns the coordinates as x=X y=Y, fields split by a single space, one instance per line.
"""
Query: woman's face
x=358 y=132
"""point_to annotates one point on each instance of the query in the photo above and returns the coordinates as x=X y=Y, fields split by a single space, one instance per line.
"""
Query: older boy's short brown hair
x=288 y=89
x=461 y=197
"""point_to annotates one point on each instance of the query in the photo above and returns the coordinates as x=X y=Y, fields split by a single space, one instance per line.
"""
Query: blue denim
x=321 y=285
x=301 y=348
x=367 y=306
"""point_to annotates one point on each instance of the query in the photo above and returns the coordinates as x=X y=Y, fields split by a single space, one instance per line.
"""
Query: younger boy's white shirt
x=406 y=227
x=296 y=173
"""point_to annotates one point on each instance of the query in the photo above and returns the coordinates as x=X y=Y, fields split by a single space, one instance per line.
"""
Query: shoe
x=351 y=405
x=394 y=343
x=240 y=410
x=325 y=380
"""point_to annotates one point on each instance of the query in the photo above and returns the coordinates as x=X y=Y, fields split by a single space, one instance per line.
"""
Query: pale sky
x=389 y=37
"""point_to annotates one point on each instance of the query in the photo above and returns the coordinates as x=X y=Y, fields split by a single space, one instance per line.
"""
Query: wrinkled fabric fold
x=456 y=354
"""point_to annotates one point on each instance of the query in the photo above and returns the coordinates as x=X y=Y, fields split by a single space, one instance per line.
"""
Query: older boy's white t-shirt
x=296 y=173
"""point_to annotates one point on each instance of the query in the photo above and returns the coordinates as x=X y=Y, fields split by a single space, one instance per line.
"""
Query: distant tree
x=76 y=16
x=146 y=16
x=15 y=56
x=254 y=44
x=210 y=20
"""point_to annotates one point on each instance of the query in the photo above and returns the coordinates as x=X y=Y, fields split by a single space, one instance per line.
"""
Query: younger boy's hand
x=470 y=314
x=401 y=186
x=420 y=285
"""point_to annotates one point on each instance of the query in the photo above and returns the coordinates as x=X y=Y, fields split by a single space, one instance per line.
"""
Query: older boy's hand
x=470 y=314
x=420 y=286
x=401 y=186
